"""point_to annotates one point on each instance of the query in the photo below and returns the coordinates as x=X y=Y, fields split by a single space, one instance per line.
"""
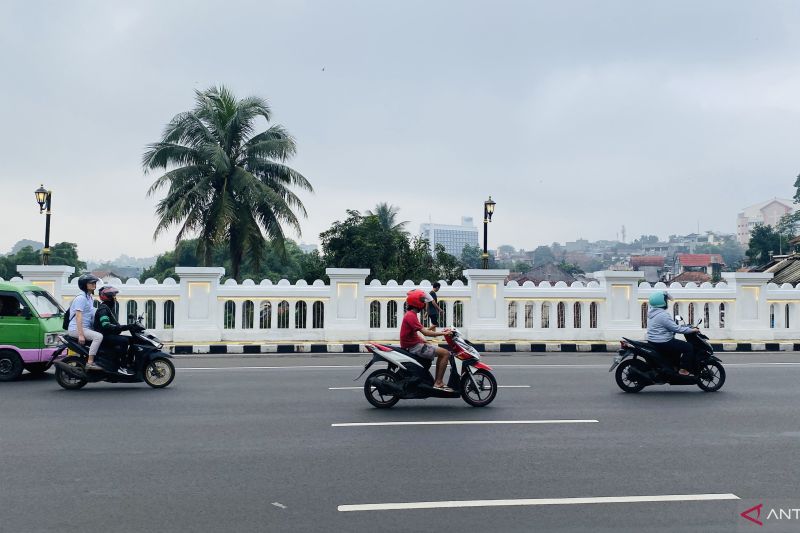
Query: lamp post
x=44 y=198
x=488 y=210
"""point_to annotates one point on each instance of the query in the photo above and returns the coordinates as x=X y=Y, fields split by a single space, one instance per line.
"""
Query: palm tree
x=387 y=216
x=226 y=184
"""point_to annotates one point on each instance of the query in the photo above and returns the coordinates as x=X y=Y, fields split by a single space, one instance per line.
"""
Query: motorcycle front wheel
x=374 y=396
x=159 y=372
x=66 y=380
x=626 y=380
x=711 y=376
x=484 y=393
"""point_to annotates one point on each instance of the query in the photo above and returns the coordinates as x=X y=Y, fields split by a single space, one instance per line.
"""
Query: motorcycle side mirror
x=678 y=319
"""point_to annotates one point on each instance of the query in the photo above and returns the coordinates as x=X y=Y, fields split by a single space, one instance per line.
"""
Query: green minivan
x=30 y=322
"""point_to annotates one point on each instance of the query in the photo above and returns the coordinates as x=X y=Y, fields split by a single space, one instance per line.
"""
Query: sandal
x=443 y=388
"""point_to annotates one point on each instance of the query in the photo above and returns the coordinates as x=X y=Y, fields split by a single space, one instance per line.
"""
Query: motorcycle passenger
x=411 y=340
x=661 y=330
x=81 y=313
x=106 y=322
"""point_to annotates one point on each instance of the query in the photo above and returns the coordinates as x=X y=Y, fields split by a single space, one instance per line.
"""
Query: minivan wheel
x=37 y=369
x=10 y=365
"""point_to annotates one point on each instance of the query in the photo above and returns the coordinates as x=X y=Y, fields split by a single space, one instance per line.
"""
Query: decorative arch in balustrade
x=150 y=314
x=283 y=315
x=576 y=315
x=375 y=314
x=787 y=314
x=318 y=315
x=722 y=315
x=265 y=315
x=131 y=308
x=391 y=314
x=529 y=311
x=644 y=310
x=545 y=315
x=512 y=314
x=593 y=315
x=248 y=314
x=561 y=315
x=707 y=315
x=300 y=315
x=690 y=313
x=443 y=314
x=169 y=314
x=458 y=314
x=229 y=315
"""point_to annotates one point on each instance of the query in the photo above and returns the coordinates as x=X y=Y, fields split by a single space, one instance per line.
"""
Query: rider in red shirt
x=411 y=340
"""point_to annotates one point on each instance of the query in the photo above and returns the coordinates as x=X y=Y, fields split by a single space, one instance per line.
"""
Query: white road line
x=538 y=501
x=460 y=423
x=499 y=386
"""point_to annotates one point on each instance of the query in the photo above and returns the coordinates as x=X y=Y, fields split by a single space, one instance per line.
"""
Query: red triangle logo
x=757 y=509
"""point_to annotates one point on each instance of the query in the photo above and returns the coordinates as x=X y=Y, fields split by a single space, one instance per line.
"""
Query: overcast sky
x=578 y=117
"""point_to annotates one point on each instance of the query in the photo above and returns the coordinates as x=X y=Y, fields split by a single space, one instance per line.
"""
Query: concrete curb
x=510 y=347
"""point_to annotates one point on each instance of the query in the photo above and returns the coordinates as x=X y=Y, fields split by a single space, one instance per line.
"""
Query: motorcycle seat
x=421 y=360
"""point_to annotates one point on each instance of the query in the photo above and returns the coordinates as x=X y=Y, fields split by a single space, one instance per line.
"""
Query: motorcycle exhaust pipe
x=642 y=377
x=387 y=388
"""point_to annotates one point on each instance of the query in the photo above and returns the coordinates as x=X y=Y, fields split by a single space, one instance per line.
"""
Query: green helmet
x=659 y=299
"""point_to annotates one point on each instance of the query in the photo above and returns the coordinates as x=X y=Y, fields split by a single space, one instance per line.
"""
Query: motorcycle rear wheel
x=374 y=396
x=484 y=394
x=625 y=380
x=711 y=376
x=65 y=380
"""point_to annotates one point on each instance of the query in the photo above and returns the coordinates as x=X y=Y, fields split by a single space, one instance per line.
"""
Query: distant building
x=581 y=245
x=453 y=238
x=696 y=263
x=769 y=212
x=653 y=266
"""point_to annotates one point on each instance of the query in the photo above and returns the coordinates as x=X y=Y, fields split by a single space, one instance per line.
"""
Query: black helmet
x=86 y=279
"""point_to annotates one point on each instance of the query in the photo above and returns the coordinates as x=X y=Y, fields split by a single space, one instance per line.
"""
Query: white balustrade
x=742 y=307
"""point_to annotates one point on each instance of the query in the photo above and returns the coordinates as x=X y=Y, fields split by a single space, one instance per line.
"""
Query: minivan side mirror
x=678 y=319
x=26 y=313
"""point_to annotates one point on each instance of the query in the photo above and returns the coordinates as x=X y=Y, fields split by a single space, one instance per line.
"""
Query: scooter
x=408 y=376
x=150 y=363
x=639 y=365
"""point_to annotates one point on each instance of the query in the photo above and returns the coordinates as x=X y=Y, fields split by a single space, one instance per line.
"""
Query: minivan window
x=10 y=305
x=44 y=304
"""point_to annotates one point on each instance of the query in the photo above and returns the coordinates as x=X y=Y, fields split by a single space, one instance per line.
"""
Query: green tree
x=225 y=183
x=62 y=253
x=522 y=266
x=387 y=216
x=764 y=240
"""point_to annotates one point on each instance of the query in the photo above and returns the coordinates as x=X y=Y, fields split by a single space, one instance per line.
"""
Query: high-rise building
x=453 y=238
x=769 y=213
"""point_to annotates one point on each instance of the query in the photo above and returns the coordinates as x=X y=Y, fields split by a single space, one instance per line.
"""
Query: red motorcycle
x=408 y=376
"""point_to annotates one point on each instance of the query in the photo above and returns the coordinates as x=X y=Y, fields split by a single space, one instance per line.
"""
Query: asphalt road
x=228 y=447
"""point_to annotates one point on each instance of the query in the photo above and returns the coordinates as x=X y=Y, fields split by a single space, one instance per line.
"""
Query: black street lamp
x=44 y=198
x=488 y=211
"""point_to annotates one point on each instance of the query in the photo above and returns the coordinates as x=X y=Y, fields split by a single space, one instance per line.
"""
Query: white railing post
x=347 y=321
x=488 y=316
x=196 y=311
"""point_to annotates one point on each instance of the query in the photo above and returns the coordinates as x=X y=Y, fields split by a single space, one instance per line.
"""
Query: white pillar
x=197 y=311
x=347 y=321
x=488 y=316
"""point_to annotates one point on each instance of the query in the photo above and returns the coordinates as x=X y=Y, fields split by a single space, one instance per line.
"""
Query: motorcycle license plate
x=617 y=359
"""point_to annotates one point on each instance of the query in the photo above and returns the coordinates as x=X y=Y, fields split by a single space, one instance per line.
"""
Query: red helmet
x=416 y=299
x=108 y=293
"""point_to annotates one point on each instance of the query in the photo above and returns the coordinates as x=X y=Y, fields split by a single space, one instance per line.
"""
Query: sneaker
x=94 y=366
x=124 y=371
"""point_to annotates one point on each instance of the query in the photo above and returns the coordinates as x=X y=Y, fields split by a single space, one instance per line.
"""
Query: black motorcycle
x=149 y=363
x=639 y=365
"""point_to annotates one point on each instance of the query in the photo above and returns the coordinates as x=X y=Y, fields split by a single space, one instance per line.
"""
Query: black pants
x=676 y=350
x=118 y=344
